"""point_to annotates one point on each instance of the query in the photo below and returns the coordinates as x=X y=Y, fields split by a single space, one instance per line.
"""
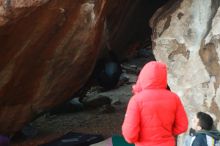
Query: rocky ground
x=103 y=118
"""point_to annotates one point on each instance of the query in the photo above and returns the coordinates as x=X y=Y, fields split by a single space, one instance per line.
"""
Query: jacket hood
x=152 y=76
x=213 y=133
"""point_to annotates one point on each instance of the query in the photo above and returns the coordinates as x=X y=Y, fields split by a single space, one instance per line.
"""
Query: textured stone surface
x=11 y=10
x=46 y=56
x=187 y=38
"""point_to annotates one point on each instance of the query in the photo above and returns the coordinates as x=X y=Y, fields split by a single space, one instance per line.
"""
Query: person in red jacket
x=155 y=115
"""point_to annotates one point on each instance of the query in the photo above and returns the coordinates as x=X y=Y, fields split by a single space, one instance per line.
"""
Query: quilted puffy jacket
x=154 y=114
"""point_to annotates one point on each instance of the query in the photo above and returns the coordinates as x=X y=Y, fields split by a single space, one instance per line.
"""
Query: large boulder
x=187 y=38
x=48 y=50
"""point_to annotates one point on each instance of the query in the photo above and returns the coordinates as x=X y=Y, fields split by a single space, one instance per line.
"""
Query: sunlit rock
x=187 y=38
x=11 y=10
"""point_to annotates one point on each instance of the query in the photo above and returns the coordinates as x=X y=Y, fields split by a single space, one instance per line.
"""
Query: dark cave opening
x=144 y=13
x=128 y=26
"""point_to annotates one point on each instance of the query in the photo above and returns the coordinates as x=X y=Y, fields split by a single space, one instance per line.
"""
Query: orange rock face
x=47 y=54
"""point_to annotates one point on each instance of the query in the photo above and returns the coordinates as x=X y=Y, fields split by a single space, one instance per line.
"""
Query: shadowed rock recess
x=50 y=47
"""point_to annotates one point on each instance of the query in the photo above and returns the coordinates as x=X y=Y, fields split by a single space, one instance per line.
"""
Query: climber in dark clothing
x=107 y=71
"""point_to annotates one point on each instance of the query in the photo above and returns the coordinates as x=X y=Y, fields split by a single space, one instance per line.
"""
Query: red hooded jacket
x=154 y=114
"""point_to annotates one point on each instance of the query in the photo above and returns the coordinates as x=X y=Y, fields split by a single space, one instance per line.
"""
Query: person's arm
x=131 y=124
x=181 y=120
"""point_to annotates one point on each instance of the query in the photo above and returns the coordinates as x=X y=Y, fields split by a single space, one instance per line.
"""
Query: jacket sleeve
x=131 y=124
x=181 y=120
x=199 y=141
